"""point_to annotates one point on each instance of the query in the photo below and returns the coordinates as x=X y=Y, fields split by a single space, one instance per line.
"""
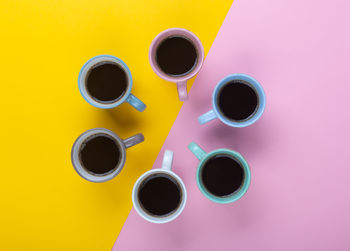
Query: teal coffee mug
x=105 y=82
x=238 y=100
x=223 y=175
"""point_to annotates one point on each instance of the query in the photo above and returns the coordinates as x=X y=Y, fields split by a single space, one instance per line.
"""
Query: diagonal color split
x=298 y=151
x=45 y=205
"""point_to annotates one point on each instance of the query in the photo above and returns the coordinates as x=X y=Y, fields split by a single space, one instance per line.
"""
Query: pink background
x=298 y=151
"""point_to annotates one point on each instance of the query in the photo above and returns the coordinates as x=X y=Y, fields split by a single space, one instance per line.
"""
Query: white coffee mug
x=165 y=171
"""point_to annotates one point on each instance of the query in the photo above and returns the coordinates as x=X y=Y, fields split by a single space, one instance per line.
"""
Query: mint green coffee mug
x=223 y=175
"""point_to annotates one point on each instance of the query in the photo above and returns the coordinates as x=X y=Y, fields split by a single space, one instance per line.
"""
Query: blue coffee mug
x=125 y=97
x=216 y=111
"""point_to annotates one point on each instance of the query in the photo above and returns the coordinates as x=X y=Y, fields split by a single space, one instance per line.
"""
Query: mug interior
x=76 y=156
x=88 y=141
x=142 y=211
x=85 y=71
x=248 y=81
x=176 y=32
x=235 y=195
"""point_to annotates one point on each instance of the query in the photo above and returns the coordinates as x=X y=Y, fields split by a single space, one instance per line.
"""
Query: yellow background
x=45 y=205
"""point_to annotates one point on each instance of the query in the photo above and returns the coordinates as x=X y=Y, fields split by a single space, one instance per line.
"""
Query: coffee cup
x=223 y=175
x=238 y=100
x=105 y=82
x=98 y=155
x=176 y=55
x=159 y=195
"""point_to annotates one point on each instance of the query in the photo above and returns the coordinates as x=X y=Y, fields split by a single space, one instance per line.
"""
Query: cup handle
x=206 y=117
x=133 y=140
x=167 y=160
x=182 y=90
x=196 y=150
x=136 y=103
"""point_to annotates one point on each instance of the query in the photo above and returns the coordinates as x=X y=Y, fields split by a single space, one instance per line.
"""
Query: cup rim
x=82 y=75
x=171 y=32
x=149 y=217
x=258 y=88
x=237 y=194
x=81 y=170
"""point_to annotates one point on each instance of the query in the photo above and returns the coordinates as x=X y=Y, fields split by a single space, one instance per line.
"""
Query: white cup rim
x=155 y=219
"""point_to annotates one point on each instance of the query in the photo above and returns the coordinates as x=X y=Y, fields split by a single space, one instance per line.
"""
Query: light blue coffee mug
x=204 y=157
x=125 y=97
x=216 y=112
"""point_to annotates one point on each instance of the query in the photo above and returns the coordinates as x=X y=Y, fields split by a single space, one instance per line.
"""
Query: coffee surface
x=222 y=175
x=176 y=55
x=159 y=195
x=237 y=100
x=106 y=82
x=99 y=154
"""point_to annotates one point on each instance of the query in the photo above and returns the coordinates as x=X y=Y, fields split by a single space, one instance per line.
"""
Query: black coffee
x=222 y=175
x=99 y=154
x=176 y=55
x=159 y=195
x=237 y=100
x=106 y=82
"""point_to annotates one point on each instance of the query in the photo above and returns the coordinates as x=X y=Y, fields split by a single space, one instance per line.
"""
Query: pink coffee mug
x=181 y=80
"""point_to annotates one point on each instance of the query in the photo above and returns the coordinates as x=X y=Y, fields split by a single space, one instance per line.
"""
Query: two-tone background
x=298 y=151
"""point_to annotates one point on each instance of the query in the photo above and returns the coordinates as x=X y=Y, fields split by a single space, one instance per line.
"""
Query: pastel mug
x=176 y=55
x=238 y=100
x=105 y=82
x=98 y=155
x=223 y=175
x=159 y=195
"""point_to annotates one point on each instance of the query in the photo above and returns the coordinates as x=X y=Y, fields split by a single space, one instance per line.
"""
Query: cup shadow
x=217 y=217
x=123 y=120
x=252 y=140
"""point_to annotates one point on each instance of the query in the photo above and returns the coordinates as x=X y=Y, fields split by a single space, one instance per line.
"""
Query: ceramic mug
x=204 y=157
x=216 y=111
x=121 y=144
x=180 y=80
x=164 y=171
x=125 y=97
